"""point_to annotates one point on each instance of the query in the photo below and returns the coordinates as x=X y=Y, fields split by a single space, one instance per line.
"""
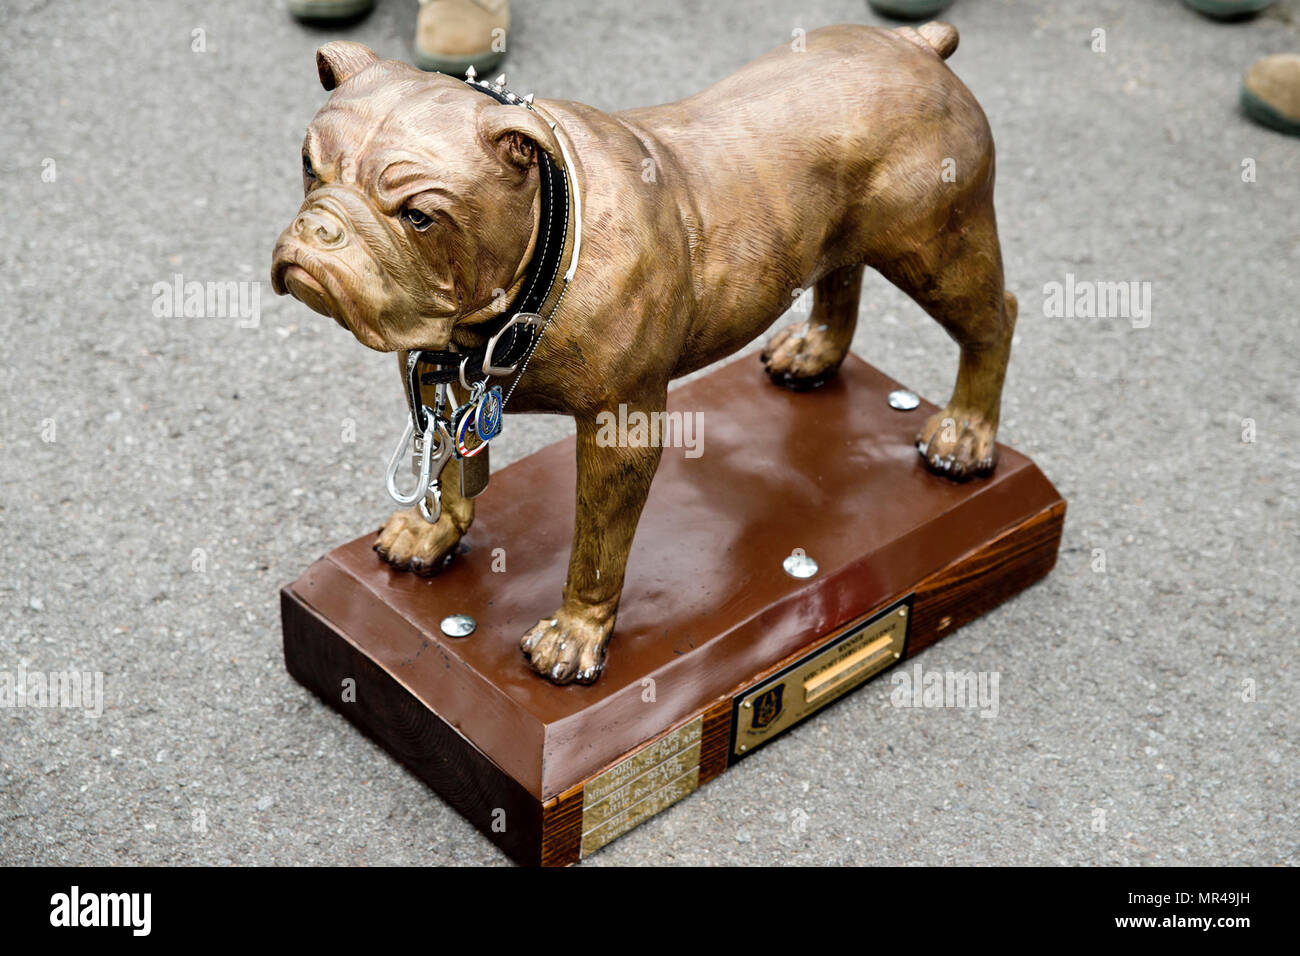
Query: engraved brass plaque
x=635 y=789
x=863 y=650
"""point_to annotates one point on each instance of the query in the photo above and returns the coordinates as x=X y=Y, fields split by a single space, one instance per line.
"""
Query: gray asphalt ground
x=162 y=477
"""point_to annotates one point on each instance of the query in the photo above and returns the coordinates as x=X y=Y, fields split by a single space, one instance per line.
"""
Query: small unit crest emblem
x=767 y=706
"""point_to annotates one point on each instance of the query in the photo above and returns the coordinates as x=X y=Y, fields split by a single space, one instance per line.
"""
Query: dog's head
x=420 y=206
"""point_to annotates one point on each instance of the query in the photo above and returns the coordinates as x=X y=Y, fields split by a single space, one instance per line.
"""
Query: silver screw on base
x=903 y=400
x=458 y=625
x=799 y=565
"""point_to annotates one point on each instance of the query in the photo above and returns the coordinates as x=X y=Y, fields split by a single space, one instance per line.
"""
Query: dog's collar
x=513 y=335
x=436 y=436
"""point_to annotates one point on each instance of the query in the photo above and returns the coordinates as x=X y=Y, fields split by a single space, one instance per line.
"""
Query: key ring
x=466 y=425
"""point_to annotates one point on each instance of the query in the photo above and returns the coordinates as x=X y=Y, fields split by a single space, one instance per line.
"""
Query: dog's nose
x=319 y=228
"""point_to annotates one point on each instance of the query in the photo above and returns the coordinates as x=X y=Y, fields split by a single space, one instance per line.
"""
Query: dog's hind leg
x=957 y=278
x=808 y=353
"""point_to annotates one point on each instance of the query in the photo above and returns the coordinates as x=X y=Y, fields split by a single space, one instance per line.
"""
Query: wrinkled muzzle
x=329 y=259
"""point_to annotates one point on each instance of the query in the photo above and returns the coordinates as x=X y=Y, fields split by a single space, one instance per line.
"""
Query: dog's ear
x=340 y=59
x=516 y=133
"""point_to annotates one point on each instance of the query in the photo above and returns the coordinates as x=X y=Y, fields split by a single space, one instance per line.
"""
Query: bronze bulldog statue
x=648 y=244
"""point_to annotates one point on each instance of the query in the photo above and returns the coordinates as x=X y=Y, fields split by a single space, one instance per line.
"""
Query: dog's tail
x=936 y=35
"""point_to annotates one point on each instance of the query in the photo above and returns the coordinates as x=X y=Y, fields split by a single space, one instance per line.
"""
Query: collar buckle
x=529 y=320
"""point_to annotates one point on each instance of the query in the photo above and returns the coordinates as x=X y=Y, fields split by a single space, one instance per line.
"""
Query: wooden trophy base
x=717 y=648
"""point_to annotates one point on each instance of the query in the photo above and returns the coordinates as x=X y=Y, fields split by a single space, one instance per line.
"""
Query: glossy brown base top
x=707 y=611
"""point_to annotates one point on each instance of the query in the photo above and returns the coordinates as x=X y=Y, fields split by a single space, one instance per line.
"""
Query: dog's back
x=855 y=90
x=783 y=188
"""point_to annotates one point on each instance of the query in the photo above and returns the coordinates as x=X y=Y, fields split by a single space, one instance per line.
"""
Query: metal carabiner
x=433 y=489
x=441 y=455
x=390 y=480
x=433 y=448
x=434 y=492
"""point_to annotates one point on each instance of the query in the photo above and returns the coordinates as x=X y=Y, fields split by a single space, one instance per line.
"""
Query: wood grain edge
x=562 y=828
x=977 y=583
x=716 y=738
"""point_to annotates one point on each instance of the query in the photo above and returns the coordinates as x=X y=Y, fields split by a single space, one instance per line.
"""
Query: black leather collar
x=539 y=279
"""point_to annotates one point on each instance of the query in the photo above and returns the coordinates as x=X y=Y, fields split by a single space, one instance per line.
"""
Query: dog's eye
x=418 y=220
x=306 y=167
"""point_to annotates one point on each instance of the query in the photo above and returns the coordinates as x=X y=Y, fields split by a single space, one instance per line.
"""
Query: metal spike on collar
x=499 y=86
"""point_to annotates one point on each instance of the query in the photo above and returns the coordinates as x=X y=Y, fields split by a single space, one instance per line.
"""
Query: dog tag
x=474 y=474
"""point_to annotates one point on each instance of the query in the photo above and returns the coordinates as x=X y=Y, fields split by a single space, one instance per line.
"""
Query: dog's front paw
x=569 y=646
x=803 y=355
x=958 y=444
x=409 y=543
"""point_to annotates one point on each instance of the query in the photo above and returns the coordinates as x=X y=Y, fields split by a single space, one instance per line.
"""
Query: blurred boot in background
x=909 y=9
x=330 y=11
x=1270 y=93
x=1229 y=9
x=453 y=35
